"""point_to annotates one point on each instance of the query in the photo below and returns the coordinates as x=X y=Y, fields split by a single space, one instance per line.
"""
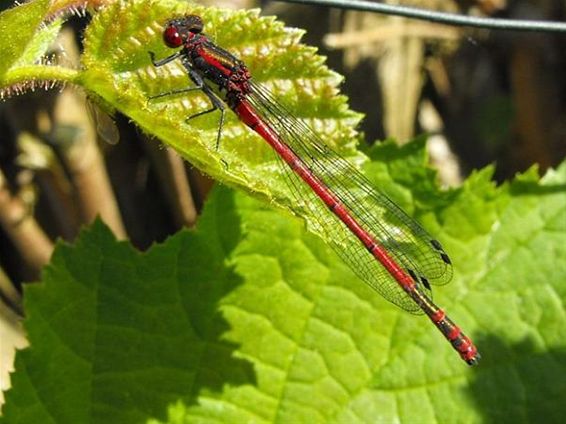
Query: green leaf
x=18 y=27
x=37 y=47
x=252 y=319
x=118 y=335
x=119 y=71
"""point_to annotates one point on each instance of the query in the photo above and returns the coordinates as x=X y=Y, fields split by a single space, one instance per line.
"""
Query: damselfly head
x=178 y=30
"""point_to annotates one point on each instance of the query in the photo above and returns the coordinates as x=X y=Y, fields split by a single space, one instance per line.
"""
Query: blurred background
x=483 y=97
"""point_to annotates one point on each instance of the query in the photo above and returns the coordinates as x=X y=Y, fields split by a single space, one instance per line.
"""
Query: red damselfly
x=381 y=243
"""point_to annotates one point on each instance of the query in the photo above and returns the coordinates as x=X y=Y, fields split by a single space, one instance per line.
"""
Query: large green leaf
x=118 y=69
x=251 y=319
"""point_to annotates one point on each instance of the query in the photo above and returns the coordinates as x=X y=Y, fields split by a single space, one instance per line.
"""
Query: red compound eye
x=172 y=37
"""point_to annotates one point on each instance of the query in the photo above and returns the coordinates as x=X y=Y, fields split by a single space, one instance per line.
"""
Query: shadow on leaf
x=520 y=383
x=525 y=188
x=118 y=336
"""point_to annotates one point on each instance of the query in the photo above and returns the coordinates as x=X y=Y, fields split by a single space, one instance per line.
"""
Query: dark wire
x=439 y=17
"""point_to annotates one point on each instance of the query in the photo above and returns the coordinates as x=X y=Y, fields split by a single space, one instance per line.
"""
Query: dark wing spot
x=436 y=244
x=445 y=258
x=425 y=283
x=413 y=275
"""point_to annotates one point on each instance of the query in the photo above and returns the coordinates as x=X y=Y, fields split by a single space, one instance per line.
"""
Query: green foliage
x=38 y=46
x=118 y=69
x=18 y=28
x=118 y=72
x=249 y=318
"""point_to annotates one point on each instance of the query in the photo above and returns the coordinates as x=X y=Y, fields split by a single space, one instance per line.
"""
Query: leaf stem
x=32 y=73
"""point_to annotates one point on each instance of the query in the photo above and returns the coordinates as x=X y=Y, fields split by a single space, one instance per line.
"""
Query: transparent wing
x=421 y=256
